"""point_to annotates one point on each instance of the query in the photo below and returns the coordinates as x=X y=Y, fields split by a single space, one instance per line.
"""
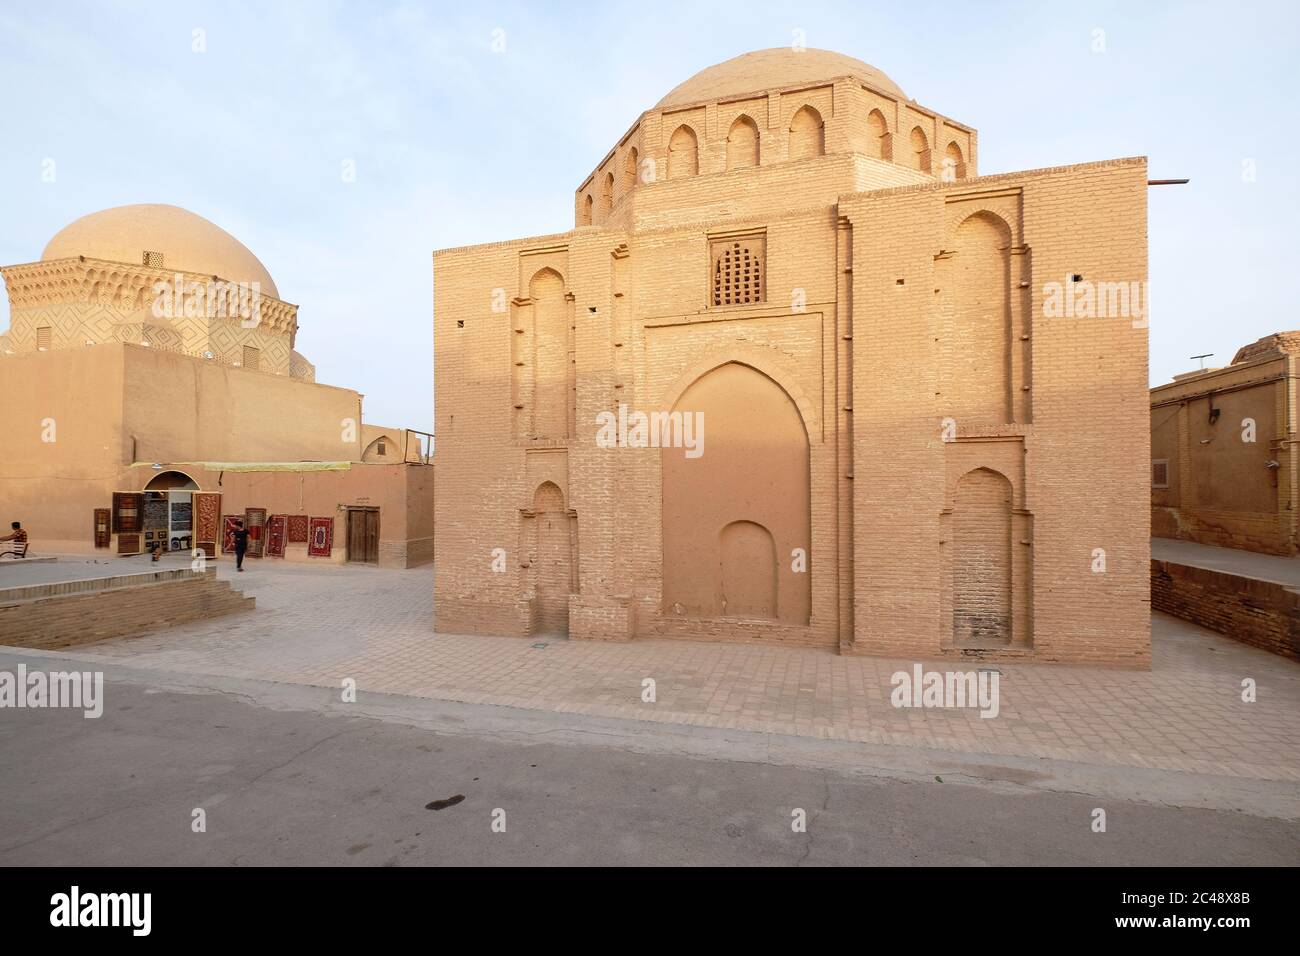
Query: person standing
x=240 y=534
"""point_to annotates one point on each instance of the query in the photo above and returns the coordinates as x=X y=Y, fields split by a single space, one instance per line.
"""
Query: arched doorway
x=168 y=519
x=734 y=513
x=171 y=481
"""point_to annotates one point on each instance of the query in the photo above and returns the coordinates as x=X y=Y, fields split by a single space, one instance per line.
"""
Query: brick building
x=153 y=392
x=1225 y=468
x=878 y=439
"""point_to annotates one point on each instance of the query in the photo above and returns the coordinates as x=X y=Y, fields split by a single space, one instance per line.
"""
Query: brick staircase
x=72 y=613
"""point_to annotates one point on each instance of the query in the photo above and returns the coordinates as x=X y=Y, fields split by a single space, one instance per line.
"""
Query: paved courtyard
x=318 y=625
x=1249 y=564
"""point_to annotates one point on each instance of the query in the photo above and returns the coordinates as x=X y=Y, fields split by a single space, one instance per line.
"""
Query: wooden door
x=363 y=535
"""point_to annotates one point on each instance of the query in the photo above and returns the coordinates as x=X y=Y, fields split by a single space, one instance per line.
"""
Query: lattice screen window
x=252 y=356
x=1160 y=473
x=738 y=269
x=154 y=260
x=43 y=338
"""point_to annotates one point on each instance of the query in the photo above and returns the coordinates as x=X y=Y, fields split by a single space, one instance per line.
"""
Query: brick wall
x=68 y=614
x=1259 y=613
x=882 y=316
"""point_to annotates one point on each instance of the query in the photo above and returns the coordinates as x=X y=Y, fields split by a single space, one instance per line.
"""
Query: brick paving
x=319 y=625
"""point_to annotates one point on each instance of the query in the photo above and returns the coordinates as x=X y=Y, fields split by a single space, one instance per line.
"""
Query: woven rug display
x=228 y=527
x=322 y=537
x=207 y=520
x=298 y=529
x=276 y=529
x=255 y=522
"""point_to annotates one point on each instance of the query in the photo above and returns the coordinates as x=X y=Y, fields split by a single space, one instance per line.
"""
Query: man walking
x=240 y=534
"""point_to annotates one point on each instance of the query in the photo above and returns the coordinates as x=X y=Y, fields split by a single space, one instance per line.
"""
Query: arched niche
x=980 y=369
x=683 y=153
x=920 y=149
x=954 y=162
x=878 y=142
x=982 y=559
x=549 y=355
x=807 y=134
x=607 y=194
x=742 y=143
x=550 y=560
x=383 y=448
x=631 y=164
x=748 y=484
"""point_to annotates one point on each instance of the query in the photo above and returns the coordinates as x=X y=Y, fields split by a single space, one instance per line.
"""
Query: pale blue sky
x=455 y=144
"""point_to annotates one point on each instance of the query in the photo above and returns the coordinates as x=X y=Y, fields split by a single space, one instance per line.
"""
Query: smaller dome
x=773 y=69
x=188 y=243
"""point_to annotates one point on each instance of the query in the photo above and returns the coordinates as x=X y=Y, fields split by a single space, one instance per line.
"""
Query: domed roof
x=769 y=69
x=189 y=243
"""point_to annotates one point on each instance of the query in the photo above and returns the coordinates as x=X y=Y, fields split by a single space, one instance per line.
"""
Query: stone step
x=70 y=619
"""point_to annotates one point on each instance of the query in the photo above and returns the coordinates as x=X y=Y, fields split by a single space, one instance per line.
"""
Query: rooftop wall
x=771 y=128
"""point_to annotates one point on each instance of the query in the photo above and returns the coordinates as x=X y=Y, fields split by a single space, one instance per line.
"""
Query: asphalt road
x=285 y=777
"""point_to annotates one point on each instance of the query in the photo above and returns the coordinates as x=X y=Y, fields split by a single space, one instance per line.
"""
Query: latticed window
x=739 y=264
x=153 y=260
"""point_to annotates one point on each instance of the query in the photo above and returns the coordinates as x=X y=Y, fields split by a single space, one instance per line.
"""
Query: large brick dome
x=187 y=242
x=773 y=69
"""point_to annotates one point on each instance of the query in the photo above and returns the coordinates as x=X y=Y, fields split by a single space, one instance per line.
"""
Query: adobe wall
x=391 y=488
x=105 y=402
x=63 y=454
x=178 y=408
x=1221 y=489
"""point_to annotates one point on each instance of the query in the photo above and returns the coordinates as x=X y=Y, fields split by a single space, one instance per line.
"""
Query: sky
x=470 y=123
